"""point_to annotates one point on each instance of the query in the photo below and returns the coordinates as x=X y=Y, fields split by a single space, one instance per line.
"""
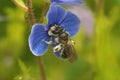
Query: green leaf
x=25 y=70
x=22 y=66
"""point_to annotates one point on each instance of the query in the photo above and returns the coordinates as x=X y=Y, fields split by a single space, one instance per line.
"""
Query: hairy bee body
x=65 y=44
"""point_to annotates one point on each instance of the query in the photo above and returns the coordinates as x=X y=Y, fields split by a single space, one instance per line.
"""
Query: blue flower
x=55 y=16
x=67 y=2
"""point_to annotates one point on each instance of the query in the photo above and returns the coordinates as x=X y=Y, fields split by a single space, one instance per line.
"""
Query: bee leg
x=47 y=42
x=57 y=40
x=57 y=48
x=61 y=52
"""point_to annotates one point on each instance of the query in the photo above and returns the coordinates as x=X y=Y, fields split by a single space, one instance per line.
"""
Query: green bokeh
x=98 y=55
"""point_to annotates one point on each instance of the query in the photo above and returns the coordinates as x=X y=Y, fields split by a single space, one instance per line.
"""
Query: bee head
x=51 y=30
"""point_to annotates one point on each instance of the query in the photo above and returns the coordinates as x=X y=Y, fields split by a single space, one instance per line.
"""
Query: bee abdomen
x=65 y=54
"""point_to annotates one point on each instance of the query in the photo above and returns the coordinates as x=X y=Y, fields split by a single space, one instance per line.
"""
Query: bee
x=65 y=46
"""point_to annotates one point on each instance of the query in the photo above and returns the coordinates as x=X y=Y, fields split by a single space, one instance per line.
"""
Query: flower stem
x=32 y=21
x=30 y=12
x=98 y=38
x=44 y=11
x=99 y=6
x=20 y=5
x=41 y=68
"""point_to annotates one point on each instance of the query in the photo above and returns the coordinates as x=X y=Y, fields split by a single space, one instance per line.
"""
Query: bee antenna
x=63 y=18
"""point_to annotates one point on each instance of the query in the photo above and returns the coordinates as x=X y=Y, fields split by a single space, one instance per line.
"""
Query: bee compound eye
x=58 y=30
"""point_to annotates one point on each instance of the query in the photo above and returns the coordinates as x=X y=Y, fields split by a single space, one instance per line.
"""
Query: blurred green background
x=98 y=53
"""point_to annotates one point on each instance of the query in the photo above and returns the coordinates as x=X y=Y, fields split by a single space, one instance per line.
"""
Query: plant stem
x=20 y=5
x=99 y=6
x=44 y=11
x=30 y=12
x=41 y=68
x=32 y=21
x=98 y=38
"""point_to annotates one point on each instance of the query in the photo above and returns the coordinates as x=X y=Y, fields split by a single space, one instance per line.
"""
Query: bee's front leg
x=57 y=40
x=47 y=42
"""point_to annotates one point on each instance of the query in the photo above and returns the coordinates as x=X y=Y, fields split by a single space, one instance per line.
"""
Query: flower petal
x=55 y=15
x=67 y=2
x=71 y=23
x=36 y=43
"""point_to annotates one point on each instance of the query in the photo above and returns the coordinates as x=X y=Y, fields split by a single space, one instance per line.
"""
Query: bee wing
x=72 y=52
